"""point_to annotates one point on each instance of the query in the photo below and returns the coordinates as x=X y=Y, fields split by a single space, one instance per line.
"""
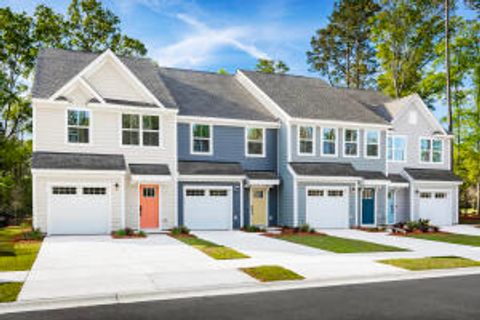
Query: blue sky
x=209 y=34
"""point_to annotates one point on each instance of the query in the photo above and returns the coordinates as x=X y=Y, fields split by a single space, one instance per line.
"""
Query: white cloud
x=202 y=43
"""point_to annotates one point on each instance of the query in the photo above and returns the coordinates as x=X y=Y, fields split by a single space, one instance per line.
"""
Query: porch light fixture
x=116 y=186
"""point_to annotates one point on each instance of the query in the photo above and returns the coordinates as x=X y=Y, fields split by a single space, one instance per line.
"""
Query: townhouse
x=121 y=142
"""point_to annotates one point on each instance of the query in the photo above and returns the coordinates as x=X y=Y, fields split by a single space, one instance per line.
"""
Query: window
x=396 y=148
x=329 y=141
x=64 y=190
x=431 y=150
x=78 y=126
x=367 y=194
x=151 y=131
x=258 y=194
x=94 y=191
x=255 y=142
x=335 y=193
x=131 y=129
x=440 y=195
x=372 y=144
x=315 y=193
x=305 y=140
x=425 y=195
x=218 y=193
x=201 y=139
x=195 y=193
x=149 y=192
x=350 y=147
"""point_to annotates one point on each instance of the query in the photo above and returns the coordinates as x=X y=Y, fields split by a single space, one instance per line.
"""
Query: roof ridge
x=196 y=71
x=286 y=75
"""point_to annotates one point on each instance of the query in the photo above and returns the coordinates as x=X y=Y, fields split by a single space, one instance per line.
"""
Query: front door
x=368 y=206
x=258 y=205
x=391 y=207
x=149 y=200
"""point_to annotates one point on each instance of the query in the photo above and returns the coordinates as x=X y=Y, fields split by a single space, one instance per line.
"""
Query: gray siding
x=286 y=193
x=229 y=146
x=402 y=204
x=360 y=162
x=380 y=210
x=235 y=204
x=413 y=132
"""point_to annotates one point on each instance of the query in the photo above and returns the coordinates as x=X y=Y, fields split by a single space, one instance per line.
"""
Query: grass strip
x=211 y=249
x=431 y=263
x=9 y=291
x=271 y=273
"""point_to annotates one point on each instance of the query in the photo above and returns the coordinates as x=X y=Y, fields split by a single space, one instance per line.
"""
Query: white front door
x=207 y=208
x=436 y=207
x=75 y=209
x=327 y=207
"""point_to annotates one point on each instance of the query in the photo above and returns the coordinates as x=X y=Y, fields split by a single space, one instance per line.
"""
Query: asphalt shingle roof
x=312 y=98
x=262 y=175
x=209 y=168
x=149 y=169
x=432 y=174
x=372 y=175
x=327 y=169
x=396 y=178
x=77 y=161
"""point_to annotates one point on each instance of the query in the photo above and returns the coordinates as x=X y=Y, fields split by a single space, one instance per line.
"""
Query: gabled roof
x=56 y=67
x=209 y=168
x=207 y=94
x=432 y=175
x=312 y=98
x=77 y=161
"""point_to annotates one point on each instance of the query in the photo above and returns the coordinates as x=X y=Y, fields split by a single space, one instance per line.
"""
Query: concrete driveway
x=98 y=265
x=463 y=229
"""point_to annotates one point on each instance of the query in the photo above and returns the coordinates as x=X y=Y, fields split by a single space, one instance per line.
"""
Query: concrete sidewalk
x=463 y=229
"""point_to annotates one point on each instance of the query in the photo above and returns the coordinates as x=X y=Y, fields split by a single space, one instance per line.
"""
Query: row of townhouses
x=121 y=142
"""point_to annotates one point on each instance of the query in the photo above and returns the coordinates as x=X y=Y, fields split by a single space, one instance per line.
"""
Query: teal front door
x=391 y=208
x=368 y=206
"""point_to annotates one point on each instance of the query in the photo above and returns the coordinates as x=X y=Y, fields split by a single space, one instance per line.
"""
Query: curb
x=158 y=295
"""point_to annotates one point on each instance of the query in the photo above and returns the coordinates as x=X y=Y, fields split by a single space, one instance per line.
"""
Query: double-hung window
x=306 y=136
x=255 y=142
x=201 y=139
x=431 y=150
x=372 y=144
x=140 y=130
x=350 y=146
x=78 y=123
x=329 y=141
x=396 y=148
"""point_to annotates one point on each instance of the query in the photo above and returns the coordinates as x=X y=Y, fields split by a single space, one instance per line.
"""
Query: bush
x=180 y=230
x=253 y=229
x=421 y=225
x=305 y=228
x=128 y=233
x=33 y=235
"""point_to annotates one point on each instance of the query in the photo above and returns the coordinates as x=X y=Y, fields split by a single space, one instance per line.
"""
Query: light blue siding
x=402 y=204
x=286 y=189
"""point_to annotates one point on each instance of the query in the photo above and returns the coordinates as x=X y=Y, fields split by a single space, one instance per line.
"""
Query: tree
x=271 y=66
x=404 y=34
x=342 y=51
x=222 y=71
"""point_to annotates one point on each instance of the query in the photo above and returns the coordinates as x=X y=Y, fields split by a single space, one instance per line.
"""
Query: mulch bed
x=374 y=229
x=417 y=232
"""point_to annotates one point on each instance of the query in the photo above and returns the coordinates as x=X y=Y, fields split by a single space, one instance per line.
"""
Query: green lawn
x=271 y=273
x=211 y=249
x=9 y=291
x=336 y=244
x=450 y=238
x=430 y=263
x=18 y=256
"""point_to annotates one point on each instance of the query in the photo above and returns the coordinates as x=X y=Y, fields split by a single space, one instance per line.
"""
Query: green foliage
x=342 y=51
x=223 y=71
x=305 y=228
x=180 y=230
x=253 y=229
x=271 y=66
x=128 y=233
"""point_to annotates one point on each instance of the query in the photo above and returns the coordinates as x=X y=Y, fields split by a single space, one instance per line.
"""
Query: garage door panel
x=327 y=207
x=208 y=208
x=436 y=206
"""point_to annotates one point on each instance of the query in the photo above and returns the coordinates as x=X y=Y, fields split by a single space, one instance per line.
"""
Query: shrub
x=141 y=234
x=304 y=228
x=253 y=229
x=180 y=230
x=33 y=235
x=128 y=233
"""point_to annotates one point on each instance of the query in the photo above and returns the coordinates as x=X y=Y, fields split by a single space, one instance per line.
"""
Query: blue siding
x=285 y=212
x=229 y=146
x=236 y=199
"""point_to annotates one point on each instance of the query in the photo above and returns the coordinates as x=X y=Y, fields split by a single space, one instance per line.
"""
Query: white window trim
x=262 y=155
x=314 y=140
x=345 y=155
x=393 y=149
x=431 y=151
x=365 y=144
x=336 y=142
x=140 y=130
x=210 y=139
x=90 y=126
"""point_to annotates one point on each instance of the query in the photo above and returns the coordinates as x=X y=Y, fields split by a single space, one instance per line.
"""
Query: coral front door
x=149 y=200
x=258 y=201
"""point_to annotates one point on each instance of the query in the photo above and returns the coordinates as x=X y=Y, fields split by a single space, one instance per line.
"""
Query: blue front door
x=368 y=206
x=391 y=208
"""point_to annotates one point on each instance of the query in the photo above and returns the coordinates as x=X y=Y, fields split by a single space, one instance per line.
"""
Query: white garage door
x=78 y=210
x=436 y=207
x=327 y=207
x=207 y=208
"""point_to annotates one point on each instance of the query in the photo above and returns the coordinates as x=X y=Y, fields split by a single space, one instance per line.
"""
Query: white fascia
x=212 y=178
x=73 y=172
x=228 y=122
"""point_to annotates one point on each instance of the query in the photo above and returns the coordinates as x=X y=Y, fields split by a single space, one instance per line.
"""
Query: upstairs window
x=201 y=139
x=255 y=142
x=151 y=131
x=396 y=148
x=78 y=123
x=372 y=144
x=135 y=133
x=131 y=129
x=329 y=141
x=306 y=140
x=350 y=143
x=431 y=150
